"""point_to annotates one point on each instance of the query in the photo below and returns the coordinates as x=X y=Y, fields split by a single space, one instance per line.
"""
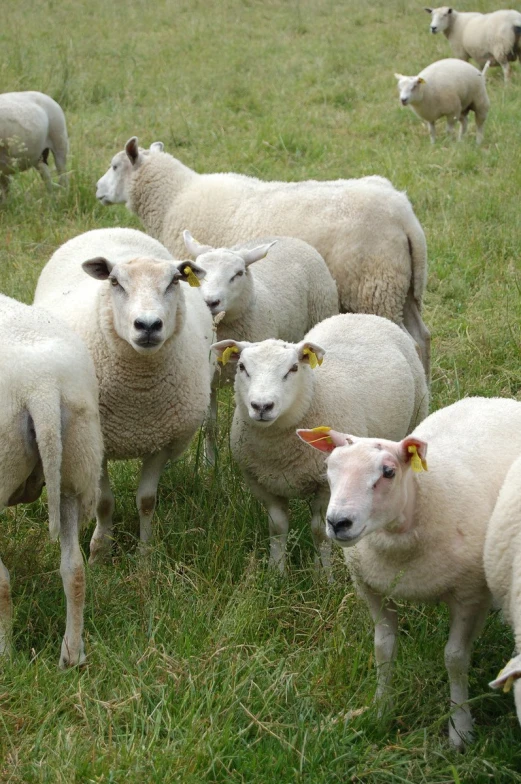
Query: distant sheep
x=420 y=536
x=490 y=38
x=447 y=88
x=49 y=432
x=149 y=334
x=371 y=378
x=365 y=230
x=31 y=126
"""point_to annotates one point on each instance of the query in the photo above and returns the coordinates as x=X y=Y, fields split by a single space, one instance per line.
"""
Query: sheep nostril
x=213 y=303
x=156 y=325
x=343 y=524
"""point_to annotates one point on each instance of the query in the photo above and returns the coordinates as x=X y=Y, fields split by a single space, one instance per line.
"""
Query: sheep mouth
x=104 y=200
x=147 y=343
x=344 y=538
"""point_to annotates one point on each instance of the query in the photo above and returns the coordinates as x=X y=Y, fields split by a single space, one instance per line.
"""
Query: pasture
x=202 y=665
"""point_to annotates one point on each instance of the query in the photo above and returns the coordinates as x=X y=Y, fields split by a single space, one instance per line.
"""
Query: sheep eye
x=238 y=274
x=173 y=282
x=114 y=166
x=294 y=368
x=241 y=366
x=388 y=472
x=115 y=282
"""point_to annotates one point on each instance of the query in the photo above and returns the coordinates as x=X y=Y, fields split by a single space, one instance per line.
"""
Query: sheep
x=150 y=341
x=31 y=125
x=502 y=559
x=485 y=38
x=447 y=88
x=365 y=230
x=49 y=432
x=420 y=536
x=371 y=378
x=282 y=297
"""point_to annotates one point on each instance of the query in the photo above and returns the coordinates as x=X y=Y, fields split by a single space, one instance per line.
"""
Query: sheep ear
x=98 y=268
x=429 y=10
x=132 y=149
x=191 y=272
x=413 y=452
x=324 y=438
x=193 y=247
x=228 y=350
x=506 y=677
x=310 y=353
x=399 y=76
x=157 y=147
x=449 y=11
x=255 y=254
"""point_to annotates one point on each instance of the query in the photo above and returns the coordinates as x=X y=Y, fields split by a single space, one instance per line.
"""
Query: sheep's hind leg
x=73 y=576
x=464 y=121
x=5 y=610
x=101 y=541
x=44 y=170
x=151 y=471
x=432 y=132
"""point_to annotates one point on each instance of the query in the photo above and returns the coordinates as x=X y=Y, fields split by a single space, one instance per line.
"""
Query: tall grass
x=202 y=665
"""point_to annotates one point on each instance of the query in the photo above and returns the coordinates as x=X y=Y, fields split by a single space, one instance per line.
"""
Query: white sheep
x=485 y=38
x=365 y=230
x=283 y=296
x=149 y=336
x=371 y=378
x=49 y=432
x=31 y=125
x=447 y=88
x=420 y=536
x=502 y=557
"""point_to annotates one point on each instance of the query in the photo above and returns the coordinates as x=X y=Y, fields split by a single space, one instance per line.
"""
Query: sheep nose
x=148 y=326
x=404 y=101
x=339 y=525
x=262 y=407
x=433 y=29
x=213 y=303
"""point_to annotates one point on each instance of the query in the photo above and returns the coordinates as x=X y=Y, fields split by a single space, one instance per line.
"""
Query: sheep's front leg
x=432 y=132
x=73 y=576
x=278 y=520
x=466 y=622
x=101 y=541
x=321 y=540
x=45 y=174
x=151 y=471
x=210 y=443
x=385 y=617
x=6 y=612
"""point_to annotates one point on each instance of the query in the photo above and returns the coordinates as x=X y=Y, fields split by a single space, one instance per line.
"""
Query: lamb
x=49 y=432
x=447 y=88
x=371 y=378
x=365 y=230
x=485 y=38
x=149 y=336
x=283 y=297
x=427 y=530
x=502 y=558
x=31 y=126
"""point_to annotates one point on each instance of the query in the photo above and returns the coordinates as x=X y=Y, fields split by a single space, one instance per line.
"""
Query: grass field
x=202 y=665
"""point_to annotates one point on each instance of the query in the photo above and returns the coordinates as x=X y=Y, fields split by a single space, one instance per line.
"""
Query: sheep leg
x=466 y=622
x=278 y=521
x=385 y=617
x=414 y=325
x=60 y=160
x=464 y=121
x=320 y=538
x=451 y=124
x=6 y=610
x=432 y=132
x=73 y=575
x=480 y=122
x=101 y=541
x=210 y=442
x=45 y=174
x=505 y=66
x=151 y=471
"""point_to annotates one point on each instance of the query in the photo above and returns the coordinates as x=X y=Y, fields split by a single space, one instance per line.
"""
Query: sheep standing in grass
x=49 y=432
x=371 y=378
x=448 y=88
x=365 y=230
x=485 y=38
x=31 y=126
x=149 y=334
x=503 y=571
x=427 y=528
x=278 y=289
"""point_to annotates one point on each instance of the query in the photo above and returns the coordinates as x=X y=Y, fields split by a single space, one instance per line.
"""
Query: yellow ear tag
x=321 y=429
x=227 y=354
x=511 y=678
x=417 y=463
x=191 y=277
x=313 y=359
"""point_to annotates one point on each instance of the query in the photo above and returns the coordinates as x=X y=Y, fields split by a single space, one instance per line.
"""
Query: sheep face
x=440 y=18
x=410 y=88
x=145 y=297
x=272 y=376
x=370 y=482
x=113 y=187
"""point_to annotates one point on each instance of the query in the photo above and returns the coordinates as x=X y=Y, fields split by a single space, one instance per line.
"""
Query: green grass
x=202 y=665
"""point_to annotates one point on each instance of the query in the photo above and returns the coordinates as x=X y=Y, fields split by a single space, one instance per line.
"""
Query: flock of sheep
x=290 y=291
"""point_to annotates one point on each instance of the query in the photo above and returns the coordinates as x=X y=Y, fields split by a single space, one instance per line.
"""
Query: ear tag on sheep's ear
x=313 y=359
x=418 y=464
x=191 y=277
x=227 y=354
x=513 y=666
x=322 y=429
x=421 y=80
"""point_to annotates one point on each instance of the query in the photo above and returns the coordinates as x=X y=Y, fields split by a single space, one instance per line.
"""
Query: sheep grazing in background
x=448 y=88
x=502 y=558
x=427 y=528
x=365 y=230
x=149 y=334
x=485 y=38
x=31 y=126
x=49 y=433
x=278 y=289
x=356 y=369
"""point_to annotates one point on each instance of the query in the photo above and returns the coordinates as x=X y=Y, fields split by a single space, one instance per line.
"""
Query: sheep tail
x=485 y=69
x=46 y=414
